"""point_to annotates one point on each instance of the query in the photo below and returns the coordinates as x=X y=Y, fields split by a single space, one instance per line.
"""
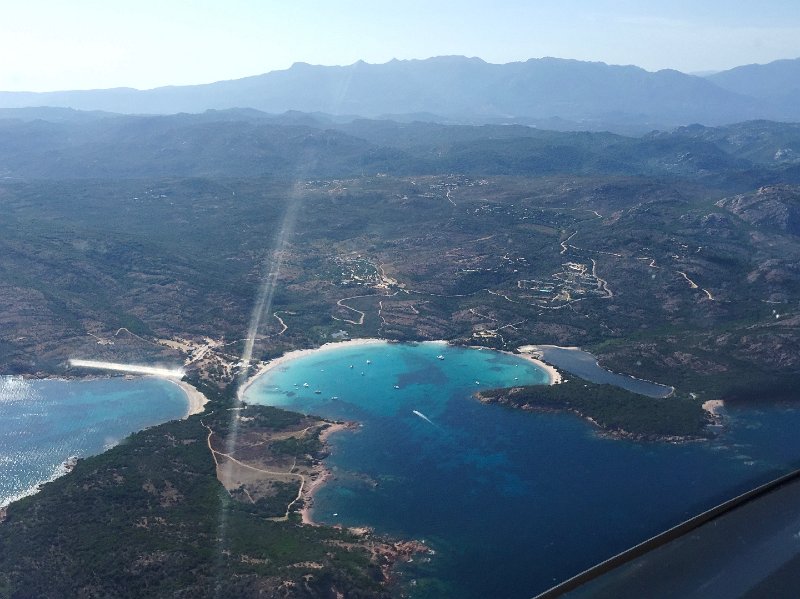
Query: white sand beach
x=299 y=353
x=197 y=400
x=554 y=376
x=527 y=352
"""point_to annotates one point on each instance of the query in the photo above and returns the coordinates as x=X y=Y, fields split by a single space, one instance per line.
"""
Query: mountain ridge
x=457 y=89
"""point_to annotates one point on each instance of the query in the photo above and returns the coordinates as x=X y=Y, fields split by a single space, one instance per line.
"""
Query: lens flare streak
x=171 y=373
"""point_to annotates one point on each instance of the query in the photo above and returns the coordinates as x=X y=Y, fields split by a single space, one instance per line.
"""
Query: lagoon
x=584 y=365
x=512 y=502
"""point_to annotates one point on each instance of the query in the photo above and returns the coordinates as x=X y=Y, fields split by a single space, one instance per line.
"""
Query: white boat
x=369 y=361
x=305 y=384
x=440 y=357
x=397 y=386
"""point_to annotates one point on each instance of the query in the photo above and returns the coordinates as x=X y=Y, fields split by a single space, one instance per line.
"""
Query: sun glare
x=176 y=373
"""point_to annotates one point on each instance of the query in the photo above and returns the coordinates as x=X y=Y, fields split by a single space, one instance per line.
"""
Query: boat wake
x=423 y=416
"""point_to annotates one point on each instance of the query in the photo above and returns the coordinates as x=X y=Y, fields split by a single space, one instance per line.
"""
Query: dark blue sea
x=511 y=502
x=45 y=422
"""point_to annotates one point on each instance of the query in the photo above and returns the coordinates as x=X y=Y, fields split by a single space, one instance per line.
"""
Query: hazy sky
x=80 y=44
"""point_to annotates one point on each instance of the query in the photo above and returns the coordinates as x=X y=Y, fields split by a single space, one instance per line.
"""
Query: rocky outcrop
x=776 y=207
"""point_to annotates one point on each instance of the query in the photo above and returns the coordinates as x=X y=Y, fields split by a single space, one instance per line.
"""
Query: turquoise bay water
x=512 y=502
x=45 y=422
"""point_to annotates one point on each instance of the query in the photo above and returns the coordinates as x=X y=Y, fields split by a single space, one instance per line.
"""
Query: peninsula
x=616 y=412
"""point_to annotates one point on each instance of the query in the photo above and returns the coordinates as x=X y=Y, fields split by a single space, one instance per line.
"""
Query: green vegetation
x=672 y=257
x=149 y=518
x=272 y=507
x=166 y=258
x=297 y=446
x=615 y=410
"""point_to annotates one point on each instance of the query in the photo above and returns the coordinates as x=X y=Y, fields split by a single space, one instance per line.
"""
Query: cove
x=512 y=502
x=45 y=422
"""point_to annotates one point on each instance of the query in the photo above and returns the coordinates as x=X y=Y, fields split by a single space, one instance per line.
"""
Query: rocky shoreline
x=387 y=553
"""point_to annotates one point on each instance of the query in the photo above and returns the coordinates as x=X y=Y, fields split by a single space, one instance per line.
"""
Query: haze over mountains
x=548 y=92
x=58 y=143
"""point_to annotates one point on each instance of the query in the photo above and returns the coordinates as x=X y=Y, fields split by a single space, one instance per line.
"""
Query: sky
x=84 y=44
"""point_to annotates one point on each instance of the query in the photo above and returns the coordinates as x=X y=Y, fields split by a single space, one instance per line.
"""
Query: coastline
x=264 y=367
x=386 y=552
x=618 y=434
x=713 y=406
x=553 y=375
x=61 y=470
x=715 y=410
x=196 y=400
x=539 y=349
x=323 y=474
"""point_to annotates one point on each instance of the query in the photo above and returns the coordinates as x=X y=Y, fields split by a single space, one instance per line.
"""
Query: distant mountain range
x=548 y=92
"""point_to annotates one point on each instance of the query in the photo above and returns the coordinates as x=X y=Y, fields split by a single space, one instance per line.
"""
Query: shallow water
x=45 y=422
x=583 y=364
x=511 y=501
